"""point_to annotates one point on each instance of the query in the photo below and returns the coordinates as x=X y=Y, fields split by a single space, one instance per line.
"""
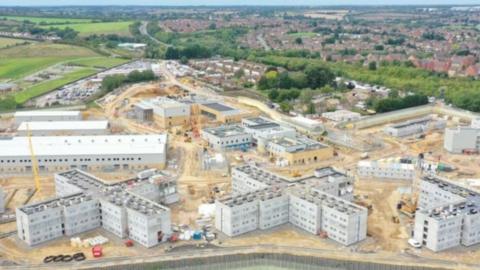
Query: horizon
x=235 y=3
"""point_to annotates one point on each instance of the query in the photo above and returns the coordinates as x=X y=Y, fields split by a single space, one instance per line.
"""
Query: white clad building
x=56 y=128
x=415 y=126
x=44 y=115
x=448 y=215
x=2 y=201
x=341 y=116
x=227 y=137
x=57 y=153
x=86 y=202
x=387 y=169
x=264 y=129
x=47 y=220
x=460 y=139
x=317 y=203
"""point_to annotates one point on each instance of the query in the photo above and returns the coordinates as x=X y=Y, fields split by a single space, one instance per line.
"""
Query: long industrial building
x=85 y=202
x=448 y=215
x=44 y=115
x=415 y=126
x=318 y=203
x=59 y=153
x=463 y=139
x=386 y=169
x=59 y=128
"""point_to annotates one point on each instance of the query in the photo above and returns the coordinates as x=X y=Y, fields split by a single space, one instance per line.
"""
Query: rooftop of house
x=225 y=131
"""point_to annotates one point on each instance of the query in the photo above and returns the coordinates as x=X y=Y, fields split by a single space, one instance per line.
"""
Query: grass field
x=85 y=29
x=20 y=61
x=98 y=62
x=4 y=42
x=45 y=87
x=46 y=19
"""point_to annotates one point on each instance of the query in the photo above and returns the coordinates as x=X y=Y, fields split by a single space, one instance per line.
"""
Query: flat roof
x=46 y=113
x=84 y=145
x=219 y=107
x=226 y=131
x=63 y=125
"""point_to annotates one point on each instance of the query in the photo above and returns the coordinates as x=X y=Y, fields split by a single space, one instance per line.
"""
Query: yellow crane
x=36 y=177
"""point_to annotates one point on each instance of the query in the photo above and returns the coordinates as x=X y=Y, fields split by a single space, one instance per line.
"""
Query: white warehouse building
x=341 y=116
x=227 y=137
x=57 y=128
x=415 y=126
x=387 y=169
x=461 y=139
x=29 y=116
x=57 y=153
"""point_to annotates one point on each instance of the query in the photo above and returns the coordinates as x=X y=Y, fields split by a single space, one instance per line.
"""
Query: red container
x=97 y=251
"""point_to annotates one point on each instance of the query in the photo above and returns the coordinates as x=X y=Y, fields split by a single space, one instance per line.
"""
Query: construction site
x=203 y=175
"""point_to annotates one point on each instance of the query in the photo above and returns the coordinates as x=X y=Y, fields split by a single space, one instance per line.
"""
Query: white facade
x=167 y=107
x=448 y=215
x=414 y=126
x=57 y=153
x=341 y=116
x=86 y=202
x=30 y=116
x=69 y=215
x=386 y=169
x=2 y=201
x=456 y=140
x=317 y=203
x=263 y=129
x=227 y=137
x=52 y=128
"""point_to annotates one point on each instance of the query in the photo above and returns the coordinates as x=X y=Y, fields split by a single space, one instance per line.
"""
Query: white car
x=414 y=243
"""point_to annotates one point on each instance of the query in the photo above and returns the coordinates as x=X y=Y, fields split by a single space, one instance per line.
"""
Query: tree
x=184 y=60
x=318 y=76
x=372 y=65
x=273 y=95
x=299 y=41
x=393 y=93
x=172 y=53
x=311 y=108
x=285 y=107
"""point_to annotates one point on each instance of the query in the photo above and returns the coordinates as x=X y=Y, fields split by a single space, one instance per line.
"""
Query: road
x=262 y=41
x=143 y=31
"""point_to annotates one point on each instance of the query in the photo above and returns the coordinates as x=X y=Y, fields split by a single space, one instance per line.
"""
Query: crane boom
x=36 y=177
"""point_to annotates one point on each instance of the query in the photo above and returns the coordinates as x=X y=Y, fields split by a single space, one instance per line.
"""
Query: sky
x=234 y=2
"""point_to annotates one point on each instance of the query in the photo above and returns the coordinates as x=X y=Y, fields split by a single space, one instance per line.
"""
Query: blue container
x=197 y=236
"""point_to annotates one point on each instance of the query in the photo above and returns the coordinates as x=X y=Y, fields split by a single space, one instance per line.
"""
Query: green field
x=98 y=62
x=47 y=20
x=4 y=42
x=20 y=61
x=86 y=29
x=45 y=87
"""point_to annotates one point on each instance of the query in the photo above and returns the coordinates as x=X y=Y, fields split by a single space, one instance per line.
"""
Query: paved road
x=262 y=41
x=143 y=31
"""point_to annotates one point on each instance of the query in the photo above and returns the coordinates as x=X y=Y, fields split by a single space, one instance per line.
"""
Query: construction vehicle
x=296 y=173
x=36 y=176
x=407 y=206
